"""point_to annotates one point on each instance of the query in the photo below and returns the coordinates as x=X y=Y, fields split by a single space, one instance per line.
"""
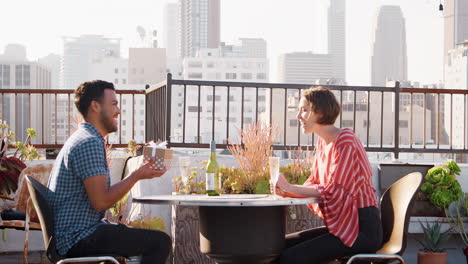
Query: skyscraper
x=337 y=38
x=455 y=24
x=78 y=54
x=389 y=60
x=200 y=25
x=308 y=67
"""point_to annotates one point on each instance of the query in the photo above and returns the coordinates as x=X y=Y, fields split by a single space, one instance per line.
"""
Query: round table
x=237 y=228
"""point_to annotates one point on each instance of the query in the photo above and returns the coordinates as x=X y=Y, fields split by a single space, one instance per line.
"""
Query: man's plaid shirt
x=82 y=156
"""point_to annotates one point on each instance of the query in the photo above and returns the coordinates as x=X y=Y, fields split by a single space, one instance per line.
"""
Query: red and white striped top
x=342 y=174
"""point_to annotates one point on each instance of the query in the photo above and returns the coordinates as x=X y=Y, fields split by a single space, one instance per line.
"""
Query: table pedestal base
x=244 y=235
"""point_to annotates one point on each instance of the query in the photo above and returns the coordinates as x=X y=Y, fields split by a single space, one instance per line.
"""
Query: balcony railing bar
x=55 y=128
x=120 y=122
x=381 y=117
x=256 y=104
x=438 y=122
x=213 y=114
x=410 y=132
x=354 y=111
x=183 y=113
x=396 y=138
x=424 y=122
x=451 y=124
x=133 y=118
x=368 y=118
x=298 y=124
x=464 y=121
x=69 y=115
x=227 y=110
x=198 y=122
x=42 y=123
x=285 y=115
x=242 y=108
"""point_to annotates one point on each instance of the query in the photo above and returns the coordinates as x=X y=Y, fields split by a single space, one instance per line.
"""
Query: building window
x=134 y=70
x=116 y=70
x=231 y=75
x=195 y=75
x=365 y=123
x=261 y=76
x=19 y=75
x=124 y=101
x=247 y=120
x=142 y=123
x=210 y=98
x=231 y=98
x=232 y=119
x=293 y=122
x=142 y=71
x=124 y=81
x=26 y=75
x=194 y=109
x=347 y=123
x=116 y=81
x=403 y=123
x=124 y=122
x=195 y=64
x=246 y=76
x=210 y=64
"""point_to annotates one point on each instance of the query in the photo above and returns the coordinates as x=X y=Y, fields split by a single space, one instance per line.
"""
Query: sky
x=287 y=26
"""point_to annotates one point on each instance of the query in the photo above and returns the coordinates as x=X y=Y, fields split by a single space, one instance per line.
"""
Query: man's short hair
x=323 y=102
x=88 y=92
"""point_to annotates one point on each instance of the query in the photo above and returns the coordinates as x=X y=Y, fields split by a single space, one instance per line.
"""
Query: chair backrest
x=395 y=206
x=38 y=194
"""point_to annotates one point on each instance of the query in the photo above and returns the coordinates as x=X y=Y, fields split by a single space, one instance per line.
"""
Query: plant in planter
x=298 y=171
x=433 y=239
x=456 y=220
x=11 y=167
x=192 y=185
x=252 y=156
x=441 y=186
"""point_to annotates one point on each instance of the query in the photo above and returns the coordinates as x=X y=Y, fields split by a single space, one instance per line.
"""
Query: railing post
x=397 y=120
x=168 y=108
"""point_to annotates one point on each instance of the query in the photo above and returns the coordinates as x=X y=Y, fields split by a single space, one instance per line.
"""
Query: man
x=81 y=192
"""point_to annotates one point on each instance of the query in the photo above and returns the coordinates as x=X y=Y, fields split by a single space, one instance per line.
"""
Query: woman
x=342 y=177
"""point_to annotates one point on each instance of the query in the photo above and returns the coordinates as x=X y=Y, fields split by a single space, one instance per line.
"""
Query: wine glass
x=184 y=163
x=274 y=173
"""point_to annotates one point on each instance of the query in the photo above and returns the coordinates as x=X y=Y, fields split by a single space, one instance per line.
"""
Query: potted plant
x=432 y=251
x=456 y=220
x=441 y=186
x=252 y=176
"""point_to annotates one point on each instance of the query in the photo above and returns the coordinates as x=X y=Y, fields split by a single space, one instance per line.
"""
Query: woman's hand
x=281 y=185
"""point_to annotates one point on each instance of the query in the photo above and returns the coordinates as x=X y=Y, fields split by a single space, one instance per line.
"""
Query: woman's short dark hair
x=323 y=102
x=88 y=92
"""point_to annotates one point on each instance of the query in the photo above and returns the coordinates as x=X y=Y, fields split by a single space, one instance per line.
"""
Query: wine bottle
x=212 y=178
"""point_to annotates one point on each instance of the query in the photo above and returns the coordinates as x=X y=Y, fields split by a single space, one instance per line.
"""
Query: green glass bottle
x=212 y=175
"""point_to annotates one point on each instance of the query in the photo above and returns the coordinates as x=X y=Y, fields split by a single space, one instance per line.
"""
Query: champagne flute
x=274 y=173
x=184 y=163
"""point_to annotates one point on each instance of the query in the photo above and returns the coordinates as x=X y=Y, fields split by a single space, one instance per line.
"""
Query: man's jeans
x=153 y=246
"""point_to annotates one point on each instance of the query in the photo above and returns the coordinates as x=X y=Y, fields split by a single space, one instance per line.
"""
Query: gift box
x=163 y=156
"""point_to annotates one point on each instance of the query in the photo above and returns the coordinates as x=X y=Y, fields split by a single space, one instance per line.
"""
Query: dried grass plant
x=298 y=170
x=253 y=153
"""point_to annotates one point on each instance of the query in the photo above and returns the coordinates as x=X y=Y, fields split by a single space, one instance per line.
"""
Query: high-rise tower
x=389 y=59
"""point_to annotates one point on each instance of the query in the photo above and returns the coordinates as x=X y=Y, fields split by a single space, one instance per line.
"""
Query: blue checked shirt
x=82 y=156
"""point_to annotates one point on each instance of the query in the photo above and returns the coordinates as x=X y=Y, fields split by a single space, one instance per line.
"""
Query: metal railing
x=416 y=120
x=51 y=112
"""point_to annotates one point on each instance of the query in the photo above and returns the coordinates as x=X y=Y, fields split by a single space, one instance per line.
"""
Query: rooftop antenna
x=142 y=33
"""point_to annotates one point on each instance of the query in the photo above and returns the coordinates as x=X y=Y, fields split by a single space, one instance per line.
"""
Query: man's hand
x=147 y=171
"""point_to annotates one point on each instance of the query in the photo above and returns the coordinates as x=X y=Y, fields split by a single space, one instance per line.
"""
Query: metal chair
x=395 y=205
x=46 y=219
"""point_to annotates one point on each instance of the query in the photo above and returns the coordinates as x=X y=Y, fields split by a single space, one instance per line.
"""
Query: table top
x=223 y=200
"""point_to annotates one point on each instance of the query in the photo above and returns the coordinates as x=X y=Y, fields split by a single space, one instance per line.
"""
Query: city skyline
x=284 y=28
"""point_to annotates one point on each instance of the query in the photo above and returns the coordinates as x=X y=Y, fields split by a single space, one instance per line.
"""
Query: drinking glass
x=184 y=164
x=274 y=173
